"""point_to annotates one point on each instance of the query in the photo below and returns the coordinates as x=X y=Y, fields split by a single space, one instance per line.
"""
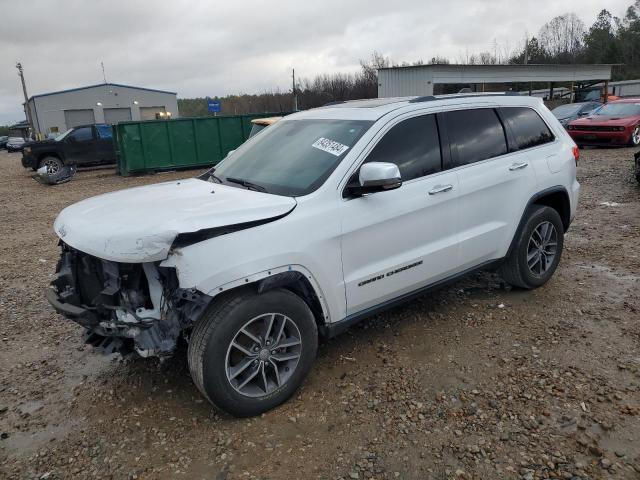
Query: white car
x=325 y=218
x=15 y=144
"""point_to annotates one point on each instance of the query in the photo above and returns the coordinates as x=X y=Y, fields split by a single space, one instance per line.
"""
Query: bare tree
x=562 y=37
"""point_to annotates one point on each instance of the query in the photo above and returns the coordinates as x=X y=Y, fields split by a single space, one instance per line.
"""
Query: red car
x=615 y=123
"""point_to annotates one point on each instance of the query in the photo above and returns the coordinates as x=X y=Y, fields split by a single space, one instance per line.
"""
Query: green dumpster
x=157 y=145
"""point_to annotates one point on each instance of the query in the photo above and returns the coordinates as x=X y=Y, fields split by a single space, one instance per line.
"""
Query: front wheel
x=538 y=246
x=250 y=352
x=634 y=141
x=54 y=165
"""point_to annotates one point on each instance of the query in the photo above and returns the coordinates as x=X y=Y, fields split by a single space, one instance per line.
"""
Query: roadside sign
x=213 y=106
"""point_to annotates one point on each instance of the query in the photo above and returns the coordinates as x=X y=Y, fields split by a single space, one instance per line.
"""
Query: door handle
x=518 y=166
x=440 y=189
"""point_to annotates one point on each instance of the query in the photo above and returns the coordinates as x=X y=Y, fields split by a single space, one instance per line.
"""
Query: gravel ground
x=473 y=381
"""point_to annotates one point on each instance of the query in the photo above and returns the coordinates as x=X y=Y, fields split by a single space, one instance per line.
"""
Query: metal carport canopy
x=419 y=79
x=520 y=73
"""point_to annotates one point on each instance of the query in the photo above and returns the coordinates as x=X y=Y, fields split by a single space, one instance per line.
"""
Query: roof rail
x=431 y=98
x=426 y=98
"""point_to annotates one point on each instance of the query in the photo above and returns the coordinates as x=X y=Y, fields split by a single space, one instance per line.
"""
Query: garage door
x=73 y=118
x=115 y=115
x=149 y=113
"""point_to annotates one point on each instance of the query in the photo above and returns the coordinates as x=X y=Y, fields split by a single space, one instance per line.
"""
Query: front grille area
x=99 y=285
x=595 y=128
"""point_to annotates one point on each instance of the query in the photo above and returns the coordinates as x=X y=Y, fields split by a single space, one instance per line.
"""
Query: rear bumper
x=600 y=138
x=575 y=196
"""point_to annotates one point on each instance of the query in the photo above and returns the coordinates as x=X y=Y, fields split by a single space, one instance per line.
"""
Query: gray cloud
x=200 y=48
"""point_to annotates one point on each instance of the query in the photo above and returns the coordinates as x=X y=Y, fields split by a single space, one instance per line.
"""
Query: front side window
x=82 y=134
x=291 y=157
x=476 y=134
x=529 y=130
x=413 y=145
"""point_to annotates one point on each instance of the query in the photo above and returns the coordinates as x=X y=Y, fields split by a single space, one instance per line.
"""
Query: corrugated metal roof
x=101 y=85
x=514 y=65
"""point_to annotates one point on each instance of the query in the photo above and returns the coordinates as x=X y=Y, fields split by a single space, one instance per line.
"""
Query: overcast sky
x=206 y=48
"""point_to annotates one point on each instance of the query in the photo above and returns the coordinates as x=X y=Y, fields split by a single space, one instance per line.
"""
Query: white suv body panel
x=410 y=238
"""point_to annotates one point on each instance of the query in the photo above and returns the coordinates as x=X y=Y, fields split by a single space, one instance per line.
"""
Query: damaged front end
x=124 y=307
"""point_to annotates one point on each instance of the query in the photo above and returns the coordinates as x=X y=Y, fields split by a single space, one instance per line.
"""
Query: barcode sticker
x=330 y=146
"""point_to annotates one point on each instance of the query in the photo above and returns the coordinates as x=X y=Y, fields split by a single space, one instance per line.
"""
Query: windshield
x=62 y=135
x=291 y=158
x=566 y=110
x=619 y=109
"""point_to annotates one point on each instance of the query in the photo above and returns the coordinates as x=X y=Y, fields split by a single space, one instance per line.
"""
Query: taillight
x=576 y=153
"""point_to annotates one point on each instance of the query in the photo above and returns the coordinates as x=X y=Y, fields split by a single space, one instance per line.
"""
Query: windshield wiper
x=246 y=183
x=210 y=175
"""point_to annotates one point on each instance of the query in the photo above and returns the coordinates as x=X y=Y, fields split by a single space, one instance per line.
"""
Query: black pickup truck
x=79 y=146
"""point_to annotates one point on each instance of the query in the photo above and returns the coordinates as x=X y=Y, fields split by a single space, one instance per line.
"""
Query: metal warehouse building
x=424 y=79
x=105 y=103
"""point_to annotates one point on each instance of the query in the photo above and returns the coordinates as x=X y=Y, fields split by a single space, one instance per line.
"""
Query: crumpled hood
x=139 y=224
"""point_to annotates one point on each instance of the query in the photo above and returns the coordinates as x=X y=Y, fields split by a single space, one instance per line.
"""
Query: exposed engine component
x=124 y=306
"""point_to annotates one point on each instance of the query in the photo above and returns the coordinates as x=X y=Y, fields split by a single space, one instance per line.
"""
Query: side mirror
x=70 y=139
x=377 y=177
x=583 y=114
x=229 y=153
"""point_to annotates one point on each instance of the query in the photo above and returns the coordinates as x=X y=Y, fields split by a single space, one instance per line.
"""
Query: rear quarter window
x=527 y=127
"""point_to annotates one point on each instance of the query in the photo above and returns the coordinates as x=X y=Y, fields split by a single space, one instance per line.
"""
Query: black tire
x=211 y=339
x=515 y=270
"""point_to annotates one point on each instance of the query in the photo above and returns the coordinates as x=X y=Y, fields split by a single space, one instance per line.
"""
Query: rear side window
x=104 y=131
x=475 y=135
x=413 y=145
x=528 y=129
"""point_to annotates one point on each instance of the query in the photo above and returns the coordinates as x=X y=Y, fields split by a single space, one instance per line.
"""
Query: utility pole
x=27 y=110
x=295 y=93
x=104 y=76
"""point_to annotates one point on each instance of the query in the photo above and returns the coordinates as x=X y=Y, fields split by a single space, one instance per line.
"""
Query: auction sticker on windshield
x=330 y=146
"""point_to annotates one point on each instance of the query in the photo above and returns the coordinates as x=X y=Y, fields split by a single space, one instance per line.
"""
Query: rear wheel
x=537 y=249
x=250 y=352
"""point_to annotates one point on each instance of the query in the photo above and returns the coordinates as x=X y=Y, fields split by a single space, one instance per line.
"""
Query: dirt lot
x=474 y=381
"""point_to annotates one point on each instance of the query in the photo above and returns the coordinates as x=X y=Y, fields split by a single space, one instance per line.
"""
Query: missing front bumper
x=123 y=307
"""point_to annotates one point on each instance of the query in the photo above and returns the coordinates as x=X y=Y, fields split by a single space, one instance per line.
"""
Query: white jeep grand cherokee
x=321 y=220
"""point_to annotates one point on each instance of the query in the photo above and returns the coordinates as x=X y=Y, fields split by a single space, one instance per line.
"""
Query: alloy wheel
x=542 y=248
x=53 y=166
x=263 y=355
x=635 y=136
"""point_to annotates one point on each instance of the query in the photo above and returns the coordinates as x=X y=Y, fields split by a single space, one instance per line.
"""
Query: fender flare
x=532 y=200
x=274 y=277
